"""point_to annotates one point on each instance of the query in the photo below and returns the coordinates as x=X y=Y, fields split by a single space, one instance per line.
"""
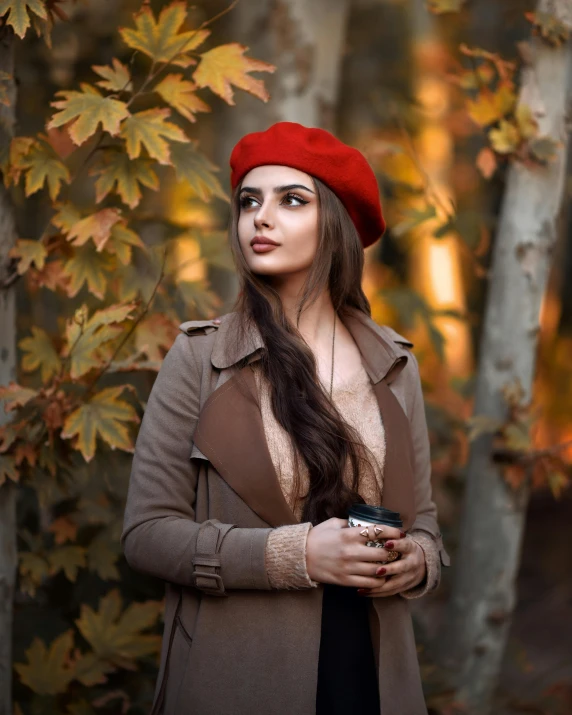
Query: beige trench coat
x=203 y=497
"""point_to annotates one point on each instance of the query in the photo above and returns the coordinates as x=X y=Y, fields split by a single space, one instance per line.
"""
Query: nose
x=263 y=217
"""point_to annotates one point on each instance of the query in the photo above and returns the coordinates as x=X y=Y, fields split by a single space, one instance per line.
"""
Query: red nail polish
x=363 y=591
x=380 y=571
x=402 y=534
x=389 y=545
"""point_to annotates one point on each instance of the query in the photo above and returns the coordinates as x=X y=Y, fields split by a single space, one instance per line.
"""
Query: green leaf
x=87 y=266
x=15 y=396
x=121 y=242
x=87 y=110
x=47 y=671
x=18 y=13
x=8 y=469
x=149 y=129
x=102 y=415
x=42 y=165
x=68 y=559
x=118 y=637
x=39 y=352
x=29 y=252
x=196 y=170
x=161 y=39
x=117 y=172
x=115 y=78
x=102 y=556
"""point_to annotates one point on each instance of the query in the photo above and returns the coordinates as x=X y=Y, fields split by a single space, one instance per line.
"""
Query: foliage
x=107 y=147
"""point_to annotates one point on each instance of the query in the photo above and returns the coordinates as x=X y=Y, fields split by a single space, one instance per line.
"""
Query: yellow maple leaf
x=39 y=352
x=115 y=78
x=96 y=226
x=28 y=252
x=40 y=163
x=48 y=671
x=87 y=266
x=86 y=110
x=195 y=169
x=117 y=172
x=161 y=39
x=103 y=415
x=66 y=216
x=68 y=559
x=155 y=335
x=224 y=66
x=491 y=106
x=179 y=93
x=506 y=138
x=527 y=124
x=18 y=15
x=19 y=147
x=86 y=338
x=121 y=242
x=150 y=129
x=116 y=636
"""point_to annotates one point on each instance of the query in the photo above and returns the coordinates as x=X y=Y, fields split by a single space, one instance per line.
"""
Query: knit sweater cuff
x=286 y=557
x=432 y=562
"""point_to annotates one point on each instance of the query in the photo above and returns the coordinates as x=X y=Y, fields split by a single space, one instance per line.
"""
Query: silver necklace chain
x=332 y=371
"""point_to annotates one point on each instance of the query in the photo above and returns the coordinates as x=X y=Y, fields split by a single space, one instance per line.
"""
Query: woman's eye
x=295 y=198
x=244 y=201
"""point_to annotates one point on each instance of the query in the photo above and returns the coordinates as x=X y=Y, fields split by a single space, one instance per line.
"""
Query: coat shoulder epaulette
x=199 y=327
x=396 y=337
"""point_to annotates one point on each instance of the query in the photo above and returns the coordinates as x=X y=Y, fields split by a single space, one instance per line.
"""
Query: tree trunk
x=8 y=553
x=493 y=517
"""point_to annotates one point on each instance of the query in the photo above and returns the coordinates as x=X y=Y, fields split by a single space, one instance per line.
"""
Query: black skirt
x=347 y=674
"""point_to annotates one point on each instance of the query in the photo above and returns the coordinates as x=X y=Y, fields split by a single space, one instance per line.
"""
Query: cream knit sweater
x=286 y=546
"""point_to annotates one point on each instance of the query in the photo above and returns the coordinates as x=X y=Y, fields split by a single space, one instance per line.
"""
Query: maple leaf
x=442 y=6
x=86 y=338
x=48 y=671
x=543 y=149
x=121 y=241
x=506 y=138
x=90 y=671
x=117 y=172
x=117 y=637
x=5 y=81
x=15 y=395
x=66 y=216
x=8 y=469
x=224 y=66
x=549 y=26
x=28 y=252
x=39 y=352
x=161 y=39
x=115 y=78
x=179 y=93
x=50 y=277
x=97 y=226
x=196 y=170
x=33 y=569
x=527 y=124
x=68 y=559
x=102 y=557
x=19 y=148
x=490 y=107
x=18 y=13
x=486 y=162
x=102 y=415
x=155 y=335
x=87 y=110
x=64 y=529
x=41 y=164
x=87 y=266
x=25 y=453
x=149 y=129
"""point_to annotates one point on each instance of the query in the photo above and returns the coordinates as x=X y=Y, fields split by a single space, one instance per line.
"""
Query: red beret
x=319 y=153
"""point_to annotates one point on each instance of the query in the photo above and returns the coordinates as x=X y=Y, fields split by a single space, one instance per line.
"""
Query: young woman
x=262 y=428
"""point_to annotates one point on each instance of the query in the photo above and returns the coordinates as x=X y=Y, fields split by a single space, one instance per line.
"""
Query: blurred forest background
x=117 y=122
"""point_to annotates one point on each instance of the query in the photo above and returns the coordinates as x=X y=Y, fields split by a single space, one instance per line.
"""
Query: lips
x=263 y=241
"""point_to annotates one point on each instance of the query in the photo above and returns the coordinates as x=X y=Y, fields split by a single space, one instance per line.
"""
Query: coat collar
x=242 y=457
x=382 y=349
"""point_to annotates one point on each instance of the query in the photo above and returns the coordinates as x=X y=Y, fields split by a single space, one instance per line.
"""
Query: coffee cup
x=369 y=515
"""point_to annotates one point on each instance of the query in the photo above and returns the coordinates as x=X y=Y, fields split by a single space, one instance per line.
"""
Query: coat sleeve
x=425 y=529
x=160 y=535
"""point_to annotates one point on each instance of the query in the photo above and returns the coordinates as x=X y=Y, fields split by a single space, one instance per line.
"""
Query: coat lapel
x=230 y=433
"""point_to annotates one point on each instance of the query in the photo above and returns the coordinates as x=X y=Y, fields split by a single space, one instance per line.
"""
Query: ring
x=363 y=532
x=393 y=555
x=377 y=530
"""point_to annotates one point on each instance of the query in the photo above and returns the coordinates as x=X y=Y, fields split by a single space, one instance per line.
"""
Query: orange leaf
x=64 y=529
x=224 y=66
x=180 y=94
x=97 y=226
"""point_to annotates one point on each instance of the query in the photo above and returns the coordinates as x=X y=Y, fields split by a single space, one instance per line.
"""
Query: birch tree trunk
x=493 y=517
x=8 y=554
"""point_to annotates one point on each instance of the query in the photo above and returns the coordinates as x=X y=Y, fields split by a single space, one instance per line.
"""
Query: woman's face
x=279 y=203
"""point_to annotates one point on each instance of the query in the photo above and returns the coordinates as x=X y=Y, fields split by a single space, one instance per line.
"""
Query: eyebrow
x=277 y=189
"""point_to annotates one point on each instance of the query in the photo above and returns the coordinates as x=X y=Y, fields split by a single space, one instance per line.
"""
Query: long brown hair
x=318 y=431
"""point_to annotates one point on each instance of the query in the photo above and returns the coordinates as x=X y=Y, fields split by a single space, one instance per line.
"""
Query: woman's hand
x=336 y=553
x=405 y=573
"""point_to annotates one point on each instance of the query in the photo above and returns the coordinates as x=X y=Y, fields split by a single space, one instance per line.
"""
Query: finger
x=361 y=552
x=403 y=546
x=390 y=587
